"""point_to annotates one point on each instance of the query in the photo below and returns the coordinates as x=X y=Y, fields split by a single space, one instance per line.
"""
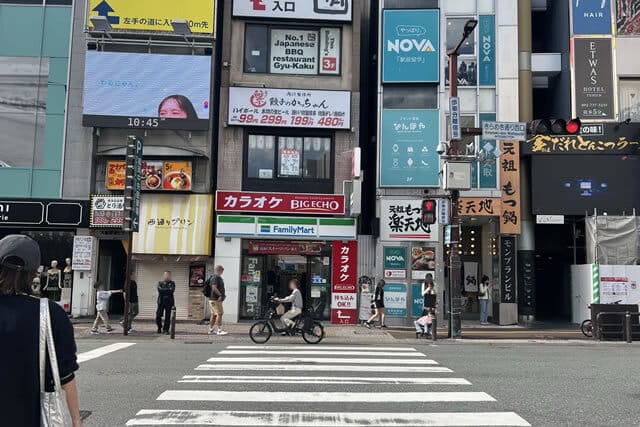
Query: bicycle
x=312 y=331
x=587 y=326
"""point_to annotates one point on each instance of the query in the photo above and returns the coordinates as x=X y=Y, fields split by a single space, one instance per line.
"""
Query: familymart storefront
x=265 y=252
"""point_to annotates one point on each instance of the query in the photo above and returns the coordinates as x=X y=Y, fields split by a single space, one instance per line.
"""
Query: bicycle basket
x=280 y=309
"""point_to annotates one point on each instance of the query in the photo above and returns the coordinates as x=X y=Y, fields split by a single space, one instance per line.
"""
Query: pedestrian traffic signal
x=428 y=212
x=555 y=127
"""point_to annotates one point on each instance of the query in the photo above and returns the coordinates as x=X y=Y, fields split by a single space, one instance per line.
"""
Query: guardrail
x=627 y=326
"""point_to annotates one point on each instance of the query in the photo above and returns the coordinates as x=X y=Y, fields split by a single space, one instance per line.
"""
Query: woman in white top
x=483 y=298
x=296 y=303
x=428 y=294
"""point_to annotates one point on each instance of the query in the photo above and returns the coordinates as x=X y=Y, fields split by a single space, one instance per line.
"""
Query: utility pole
x=455 y=270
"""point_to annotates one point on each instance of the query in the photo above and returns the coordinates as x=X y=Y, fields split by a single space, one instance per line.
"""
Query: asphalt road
x=499 y=384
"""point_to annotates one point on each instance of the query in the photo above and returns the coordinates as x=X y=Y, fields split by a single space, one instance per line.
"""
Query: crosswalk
x=323 y=386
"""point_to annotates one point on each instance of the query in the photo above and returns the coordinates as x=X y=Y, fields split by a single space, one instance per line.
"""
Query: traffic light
x=428 y=212
x=555 y=127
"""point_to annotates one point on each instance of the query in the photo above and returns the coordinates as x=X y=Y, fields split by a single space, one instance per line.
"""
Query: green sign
x=395 y=258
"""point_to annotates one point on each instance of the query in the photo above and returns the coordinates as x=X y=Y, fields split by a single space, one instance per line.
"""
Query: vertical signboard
x=591 y=17
x=510 y=187
x=488 y=169
x=411 y=46
x=408 y=156
x=395 y=299
x=395 y=262
x=487 y=47
x=137 y=182
x=344 y=289
x=593 y=79
x=526 y=283
x=507 y=269
x=417 y=301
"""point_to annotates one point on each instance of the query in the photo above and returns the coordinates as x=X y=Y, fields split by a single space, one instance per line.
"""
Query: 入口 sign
x=325 y=10
x=301 y=203
x=289 y=108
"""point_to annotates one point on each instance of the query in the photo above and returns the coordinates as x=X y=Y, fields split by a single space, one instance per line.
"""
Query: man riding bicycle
x=296 y=303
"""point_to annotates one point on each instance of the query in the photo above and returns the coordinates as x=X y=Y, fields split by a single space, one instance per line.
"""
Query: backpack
x=206 y=290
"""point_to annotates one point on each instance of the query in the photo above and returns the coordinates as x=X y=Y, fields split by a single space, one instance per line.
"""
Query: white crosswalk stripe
x=399 y=382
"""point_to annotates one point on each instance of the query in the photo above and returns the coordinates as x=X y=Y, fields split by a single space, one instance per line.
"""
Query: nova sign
x=408 y=45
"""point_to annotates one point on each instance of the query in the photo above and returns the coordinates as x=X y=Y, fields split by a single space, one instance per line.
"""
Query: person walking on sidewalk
x=378 y=305
x=217 y=292
x=483 y=299
x=102 y=307
x=134 y=308
x=166 y=289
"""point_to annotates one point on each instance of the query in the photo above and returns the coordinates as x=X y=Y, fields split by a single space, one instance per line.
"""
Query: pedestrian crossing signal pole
x=133 y=177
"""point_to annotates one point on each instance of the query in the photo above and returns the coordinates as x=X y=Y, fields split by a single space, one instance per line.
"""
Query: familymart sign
x=285 y=227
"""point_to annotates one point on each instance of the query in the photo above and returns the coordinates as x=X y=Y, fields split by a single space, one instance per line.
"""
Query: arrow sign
x=340 y=316
x=103 y=9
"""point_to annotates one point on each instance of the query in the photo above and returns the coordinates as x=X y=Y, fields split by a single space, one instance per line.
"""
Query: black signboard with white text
x=44 y=214
x=507 y=269
x=594 y=86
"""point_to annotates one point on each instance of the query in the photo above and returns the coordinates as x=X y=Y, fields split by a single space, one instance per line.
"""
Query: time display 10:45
x=143 y=122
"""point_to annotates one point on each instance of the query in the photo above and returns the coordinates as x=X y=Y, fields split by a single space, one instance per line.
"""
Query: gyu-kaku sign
x=512 y=131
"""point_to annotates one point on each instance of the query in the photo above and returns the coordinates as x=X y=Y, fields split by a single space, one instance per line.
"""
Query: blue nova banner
x=487 y=60
x=411 y=46
x=591 y=17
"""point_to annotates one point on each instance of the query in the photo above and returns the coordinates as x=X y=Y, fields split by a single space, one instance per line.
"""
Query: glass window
x=467 y=71
x=455 y=31
x=317 y=158
x=255 y=49
x=630 y=100
x=260 y=156
x=410 y=97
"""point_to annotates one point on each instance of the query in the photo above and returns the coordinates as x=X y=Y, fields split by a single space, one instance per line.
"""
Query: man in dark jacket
x=166 y=289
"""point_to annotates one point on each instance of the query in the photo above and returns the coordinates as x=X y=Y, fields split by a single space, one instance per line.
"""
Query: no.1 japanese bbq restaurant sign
x=174 y=225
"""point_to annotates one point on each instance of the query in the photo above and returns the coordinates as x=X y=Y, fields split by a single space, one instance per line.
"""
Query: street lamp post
x=455 y=323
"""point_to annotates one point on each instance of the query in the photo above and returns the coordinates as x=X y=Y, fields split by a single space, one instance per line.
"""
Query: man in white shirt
x=102 y=307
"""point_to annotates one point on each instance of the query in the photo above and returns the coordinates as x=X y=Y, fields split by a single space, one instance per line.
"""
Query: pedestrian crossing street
x=305 y=386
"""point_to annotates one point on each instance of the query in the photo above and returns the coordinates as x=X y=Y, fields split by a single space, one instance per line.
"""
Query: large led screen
x=148 y=91
x=580 y=184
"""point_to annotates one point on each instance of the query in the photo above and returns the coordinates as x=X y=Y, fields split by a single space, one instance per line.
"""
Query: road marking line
x=319 y=380
x=371 y=361
x=327 y=353
x=320 y=347
x=311 y=368
x=98 y=352
x=327 y=419
x=294 y=397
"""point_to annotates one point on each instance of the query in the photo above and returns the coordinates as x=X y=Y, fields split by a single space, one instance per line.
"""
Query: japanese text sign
x=83 y=249
x=395 y=299
x=411 y=46
x=344 y=279
x=510 y=187
x=300 y=203
x=289 y=108
x=106 y=211
x=325 y=10
x=581 y=145
x=154 y=15
x=479 y=206
x=400 y=221
x=508 y=269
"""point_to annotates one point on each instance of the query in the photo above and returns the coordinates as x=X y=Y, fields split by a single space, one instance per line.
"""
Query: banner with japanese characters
x=344 y=279
x=298 y=108
x=480 y=206
x=174 y=225
x=106 y=211
x=296 y=203
x=400 y=221
x=325 y=10
x=508 y=269
x=510 y=187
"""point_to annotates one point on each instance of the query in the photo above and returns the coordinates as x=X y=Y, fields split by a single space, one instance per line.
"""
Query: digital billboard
x=147 y=91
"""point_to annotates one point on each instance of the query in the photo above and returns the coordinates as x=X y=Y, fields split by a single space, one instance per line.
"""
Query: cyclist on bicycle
x=296 y=303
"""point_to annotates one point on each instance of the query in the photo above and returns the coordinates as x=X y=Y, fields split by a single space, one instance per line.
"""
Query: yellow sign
x=155 y=15
x=174 y=225
x=116 y=175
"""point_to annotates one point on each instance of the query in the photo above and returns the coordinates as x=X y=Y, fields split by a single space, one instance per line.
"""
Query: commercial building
x=289 y=128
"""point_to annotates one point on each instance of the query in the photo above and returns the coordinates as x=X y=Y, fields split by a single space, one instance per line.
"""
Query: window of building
x=288 y=50
x=629 y=99
x=455 y=29
x=288 y=160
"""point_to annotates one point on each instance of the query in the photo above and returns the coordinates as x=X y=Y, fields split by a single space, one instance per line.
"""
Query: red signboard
x=297 y=203
x=267 y=247
x=344 y=288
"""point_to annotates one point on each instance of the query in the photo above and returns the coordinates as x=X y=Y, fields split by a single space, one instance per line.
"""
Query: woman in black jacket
x=378 y=305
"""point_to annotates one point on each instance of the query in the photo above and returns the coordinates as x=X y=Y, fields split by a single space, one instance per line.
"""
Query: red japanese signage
x=344 y=279
x=317 y=204
x=267 y=247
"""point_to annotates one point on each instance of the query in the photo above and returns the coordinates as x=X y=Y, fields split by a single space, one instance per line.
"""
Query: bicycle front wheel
x=260 y=332
x=313 y=335
x=587 y=328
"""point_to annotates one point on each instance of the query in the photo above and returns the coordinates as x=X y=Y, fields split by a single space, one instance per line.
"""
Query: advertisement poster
x=408 y=156
x=196 y=276
x=289 y=108
x=82 y=253
x=289 y=162
x=298 y=203
x=366 y=293
x=400 y=221
x=395 y=299
x=594 y=81
x=471 y=281
x=154 y=15
x=325 y=10
x=293 y=51
x=344 y=288
x=395 y=262
x=157 y=175
x=176 y=176
x=411 y=46
x=106 y=211
x=146 y=91
x=591 y=17
x=423 y=261
x=487 y=50
x=467 y=71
